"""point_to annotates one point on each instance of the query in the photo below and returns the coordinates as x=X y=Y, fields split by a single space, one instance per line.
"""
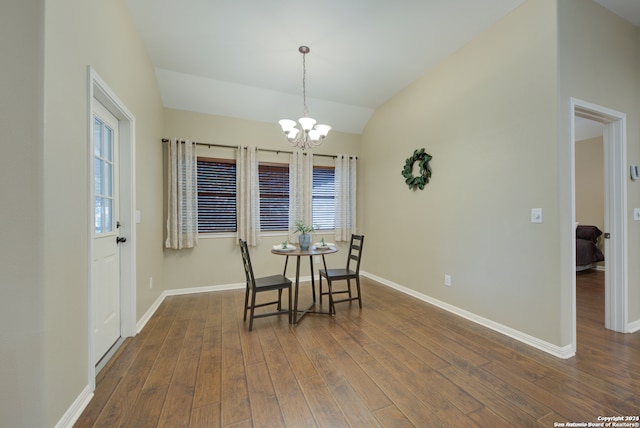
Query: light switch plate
x=636 y=214
x=536 y=215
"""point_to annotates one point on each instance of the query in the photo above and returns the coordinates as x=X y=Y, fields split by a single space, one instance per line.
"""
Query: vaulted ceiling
x=240 y=58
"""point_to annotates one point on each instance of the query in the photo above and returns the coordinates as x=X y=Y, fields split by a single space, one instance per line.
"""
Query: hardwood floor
x=398 y=362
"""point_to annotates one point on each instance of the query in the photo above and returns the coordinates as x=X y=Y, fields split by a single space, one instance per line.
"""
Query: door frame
x=100 y=91
x=615 y=212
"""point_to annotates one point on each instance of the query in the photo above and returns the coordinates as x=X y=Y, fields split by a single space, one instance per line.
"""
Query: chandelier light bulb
x=307 y=123
x=287 y=125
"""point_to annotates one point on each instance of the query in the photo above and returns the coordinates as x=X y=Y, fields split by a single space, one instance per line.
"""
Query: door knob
x=120 y=239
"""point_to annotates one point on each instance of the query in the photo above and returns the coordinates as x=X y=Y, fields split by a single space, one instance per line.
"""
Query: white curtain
x=345 y=174
x=182 y=195
x=300 y=190
x=248 y=195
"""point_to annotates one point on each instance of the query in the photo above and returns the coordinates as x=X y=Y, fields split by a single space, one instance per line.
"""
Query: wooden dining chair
x=348 y=273
x=259 y=285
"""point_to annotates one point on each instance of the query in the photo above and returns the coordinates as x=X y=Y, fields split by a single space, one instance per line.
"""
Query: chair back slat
x=355 y=252
x=246 y=261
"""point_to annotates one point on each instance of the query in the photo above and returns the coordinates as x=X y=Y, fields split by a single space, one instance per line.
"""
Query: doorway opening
x=615 y=206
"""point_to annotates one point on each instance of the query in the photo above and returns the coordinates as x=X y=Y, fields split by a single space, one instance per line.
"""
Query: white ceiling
x=240 y=58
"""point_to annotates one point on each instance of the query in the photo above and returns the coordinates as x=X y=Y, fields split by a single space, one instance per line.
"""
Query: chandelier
x=308 y=134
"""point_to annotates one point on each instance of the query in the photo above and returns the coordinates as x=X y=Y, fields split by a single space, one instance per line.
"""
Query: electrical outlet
x=636 y=214
x=150 y=282
x=316 y=259
x=447 y=280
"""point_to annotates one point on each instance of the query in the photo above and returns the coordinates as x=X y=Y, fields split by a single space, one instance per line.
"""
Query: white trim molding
x=74 y=412
x=97 y=89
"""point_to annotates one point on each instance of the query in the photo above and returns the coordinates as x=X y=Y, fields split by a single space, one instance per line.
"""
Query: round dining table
x=315 y=250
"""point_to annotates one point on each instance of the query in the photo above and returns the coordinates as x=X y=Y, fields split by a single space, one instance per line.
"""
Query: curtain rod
x=166 y=140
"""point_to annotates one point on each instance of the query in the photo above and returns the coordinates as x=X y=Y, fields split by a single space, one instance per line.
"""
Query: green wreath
x=425 y=172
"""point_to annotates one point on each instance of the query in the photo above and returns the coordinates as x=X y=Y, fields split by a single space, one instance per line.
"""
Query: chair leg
x=359 y=294
x=332 y=308
x=246 y=303
x=349 y=286
x=253 y=307
x=279 y=307
x=290 y=310
x=320 y=288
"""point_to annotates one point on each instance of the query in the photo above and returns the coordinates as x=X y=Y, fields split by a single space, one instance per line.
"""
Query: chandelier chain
x=304 y=85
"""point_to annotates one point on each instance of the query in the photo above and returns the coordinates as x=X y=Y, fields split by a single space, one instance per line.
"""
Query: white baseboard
x=73 y=413
x=560 y=352
x=633 y=327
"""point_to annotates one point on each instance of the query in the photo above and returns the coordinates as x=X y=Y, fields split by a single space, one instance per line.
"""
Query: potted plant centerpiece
x=304 y=239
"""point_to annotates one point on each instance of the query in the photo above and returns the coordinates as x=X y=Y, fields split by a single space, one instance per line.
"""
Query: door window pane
x=103 y=177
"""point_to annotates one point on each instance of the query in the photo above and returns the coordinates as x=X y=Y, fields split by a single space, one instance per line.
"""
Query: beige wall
x=101 y=34
x=488 y=115
x=599 y=57
x=21 y=191
x=216 y=260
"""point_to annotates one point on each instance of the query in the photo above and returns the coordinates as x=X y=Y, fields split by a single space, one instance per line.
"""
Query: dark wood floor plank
x=265 y=409
x=294 y=408
x=323 y=405
x=206 y=416
x=179 y=401
x=298 y=358
x=430 y=388
x=234 y=393
x=433 y=389
x=402 y=397
x=165 y=364
x=445 y=348
x=371 y=393
x=396 y=362
x=209 y=377
x=484 y=417
x=484 y=392
x=148 y=408
x=121 y=402
x=566 y=408
x=392 y=417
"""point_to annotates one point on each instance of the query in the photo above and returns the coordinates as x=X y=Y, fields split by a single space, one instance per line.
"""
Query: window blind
x=216 y=195
x=323 y=198
x=274 y=196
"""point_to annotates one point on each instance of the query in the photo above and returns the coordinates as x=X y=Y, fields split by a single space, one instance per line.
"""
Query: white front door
x=105 y=268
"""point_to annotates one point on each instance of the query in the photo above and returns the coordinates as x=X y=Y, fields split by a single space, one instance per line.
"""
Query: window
x=274 y=196
x=323 y=203
x=217 y=196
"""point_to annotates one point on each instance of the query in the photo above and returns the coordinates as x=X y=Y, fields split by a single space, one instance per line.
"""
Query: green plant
x=303 y=228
